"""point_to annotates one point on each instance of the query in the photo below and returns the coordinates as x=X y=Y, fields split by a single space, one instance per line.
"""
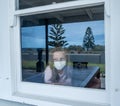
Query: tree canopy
x=56 y=36
x=88 y=40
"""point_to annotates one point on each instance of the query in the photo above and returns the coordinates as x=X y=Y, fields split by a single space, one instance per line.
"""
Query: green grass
x=29 y=64
x=32 y=65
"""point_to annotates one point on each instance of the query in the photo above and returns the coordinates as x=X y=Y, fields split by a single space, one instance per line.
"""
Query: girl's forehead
x=58 y=54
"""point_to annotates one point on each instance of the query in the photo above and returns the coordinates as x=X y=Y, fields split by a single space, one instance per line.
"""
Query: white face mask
x=59 y=65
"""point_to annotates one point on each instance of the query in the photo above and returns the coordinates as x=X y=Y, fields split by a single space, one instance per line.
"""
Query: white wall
x=5 y=69
x=5 y=85
x=115 y=52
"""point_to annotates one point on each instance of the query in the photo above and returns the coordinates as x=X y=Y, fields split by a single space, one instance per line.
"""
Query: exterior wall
x=5 y=59
x=5 y=82
x=115 y=52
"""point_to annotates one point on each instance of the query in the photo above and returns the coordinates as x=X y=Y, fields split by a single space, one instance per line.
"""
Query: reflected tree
x=56 y=38
x=88 y=40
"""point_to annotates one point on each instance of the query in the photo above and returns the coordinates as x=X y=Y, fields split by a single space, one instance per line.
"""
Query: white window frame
x=49 y=92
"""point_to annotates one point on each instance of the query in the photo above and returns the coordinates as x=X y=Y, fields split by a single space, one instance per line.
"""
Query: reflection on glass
x=33 y=3
x=33 y=50
x=70 y=53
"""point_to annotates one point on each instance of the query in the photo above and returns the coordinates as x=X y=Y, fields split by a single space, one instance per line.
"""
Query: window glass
x=64 y=49
x=33 y=3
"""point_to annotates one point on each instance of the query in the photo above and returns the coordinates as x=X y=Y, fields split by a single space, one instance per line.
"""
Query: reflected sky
x=34 y=37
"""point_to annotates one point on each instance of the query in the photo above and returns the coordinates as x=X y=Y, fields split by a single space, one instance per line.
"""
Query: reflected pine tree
x=56 y=38
x=88 y=40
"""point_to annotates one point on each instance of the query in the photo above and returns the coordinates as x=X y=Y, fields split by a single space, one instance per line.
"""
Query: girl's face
x=59 y=56
x=59 y=59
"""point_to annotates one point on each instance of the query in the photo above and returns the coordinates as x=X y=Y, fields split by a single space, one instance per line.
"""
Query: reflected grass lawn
x=32 y=65
x=29 y=64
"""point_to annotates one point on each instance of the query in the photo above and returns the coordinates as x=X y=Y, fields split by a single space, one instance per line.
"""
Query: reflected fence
x=90 y=58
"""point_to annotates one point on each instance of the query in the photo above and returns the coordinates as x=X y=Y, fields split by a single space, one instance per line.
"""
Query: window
x=80 y=34
x=37 y=23
x=33 y=3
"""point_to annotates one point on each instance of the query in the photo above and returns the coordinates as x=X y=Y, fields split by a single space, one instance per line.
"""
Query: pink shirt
x=64 y=77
